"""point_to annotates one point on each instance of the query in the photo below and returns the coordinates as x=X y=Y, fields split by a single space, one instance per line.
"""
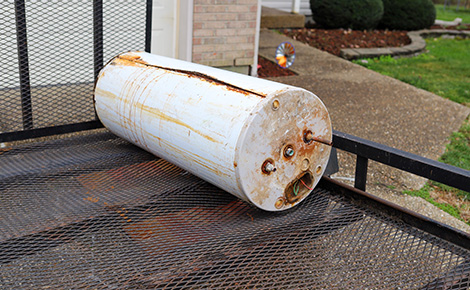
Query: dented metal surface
x=221 y=126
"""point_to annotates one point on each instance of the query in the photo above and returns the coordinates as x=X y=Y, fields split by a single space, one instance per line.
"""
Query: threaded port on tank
x=299 y=187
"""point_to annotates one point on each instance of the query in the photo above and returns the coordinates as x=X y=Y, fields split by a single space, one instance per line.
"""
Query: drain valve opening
x=299 y=187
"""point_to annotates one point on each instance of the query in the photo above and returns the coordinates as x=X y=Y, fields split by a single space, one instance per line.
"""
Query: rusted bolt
x=279 y=203
x=289 y=151
x=308 y=137
x=276 y=105
x=268 y=167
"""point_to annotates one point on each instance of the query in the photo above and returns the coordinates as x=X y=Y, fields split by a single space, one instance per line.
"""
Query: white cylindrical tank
x=265 y=142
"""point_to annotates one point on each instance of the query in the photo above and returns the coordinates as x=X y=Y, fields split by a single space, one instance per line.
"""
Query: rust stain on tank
x=297 y=143
x=132 y=103
x=135 y=60
x=167 y=118
x=130 y=56
x=103 y=93
x=194 y=158
x=262 y=195
x=126 y=62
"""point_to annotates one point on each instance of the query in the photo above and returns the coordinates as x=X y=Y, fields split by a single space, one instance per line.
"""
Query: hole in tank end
x=299 y=187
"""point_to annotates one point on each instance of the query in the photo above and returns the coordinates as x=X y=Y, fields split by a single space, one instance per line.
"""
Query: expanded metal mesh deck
x=96 y=212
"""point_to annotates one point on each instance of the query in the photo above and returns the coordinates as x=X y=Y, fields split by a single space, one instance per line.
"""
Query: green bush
x=408 y=14
x=355 y=14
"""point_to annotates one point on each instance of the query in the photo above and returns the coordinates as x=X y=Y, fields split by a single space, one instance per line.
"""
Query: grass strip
x=451 y=200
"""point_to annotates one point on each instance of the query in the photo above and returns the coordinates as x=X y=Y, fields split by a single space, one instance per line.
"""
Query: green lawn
x=445 y=71
x=450 y=13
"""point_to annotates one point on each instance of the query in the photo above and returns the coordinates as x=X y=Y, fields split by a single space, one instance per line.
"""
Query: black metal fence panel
x=51 y=53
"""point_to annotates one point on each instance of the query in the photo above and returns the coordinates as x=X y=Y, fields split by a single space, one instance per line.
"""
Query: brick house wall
x=224 y=32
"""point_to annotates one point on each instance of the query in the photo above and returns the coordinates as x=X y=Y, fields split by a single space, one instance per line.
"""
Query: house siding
x=224 y=32
x=286 y=5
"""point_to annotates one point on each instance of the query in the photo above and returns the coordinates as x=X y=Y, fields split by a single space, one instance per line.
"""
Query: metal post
x=360 y=179
x=295 y=6
x=148 y=26
x=23 y=64
x=97 y=36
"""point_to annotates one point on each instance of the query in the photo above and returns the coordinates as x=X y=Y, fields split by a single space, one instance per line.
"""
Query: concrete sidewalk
x=378 y=108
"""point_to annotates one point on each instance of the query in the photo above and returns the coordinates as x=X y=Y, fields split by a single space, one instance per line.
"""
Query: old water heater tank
x=265 y=142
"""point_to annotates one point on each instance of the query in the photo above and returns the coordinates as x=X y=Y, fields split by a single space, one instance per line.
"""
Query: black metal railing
x=412 y=163
x=37 y=37
x=22 y=42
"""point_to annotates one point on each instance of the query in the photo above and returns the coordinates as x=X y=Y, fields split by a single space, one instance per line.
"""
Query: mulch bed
x=268 y=68
x=333 y=40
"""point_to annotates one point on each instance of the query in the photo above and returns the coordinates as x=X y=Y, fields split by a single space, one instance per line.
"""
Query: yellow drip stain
x=162 y=116
x=102 y=93
x=191 y=157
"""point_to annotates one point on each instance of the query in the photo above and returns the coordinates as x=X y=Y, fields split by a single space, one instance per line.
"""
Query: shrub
x=408 y=14
x=355 y=14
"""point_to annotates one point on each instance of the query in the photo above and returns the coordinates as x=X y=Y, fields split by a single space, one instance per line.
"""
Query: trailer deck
x=94 y=211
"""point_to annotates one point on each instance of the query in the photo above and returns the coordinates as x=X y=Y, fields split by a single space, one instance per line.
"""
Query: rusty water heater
x=265 y=142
